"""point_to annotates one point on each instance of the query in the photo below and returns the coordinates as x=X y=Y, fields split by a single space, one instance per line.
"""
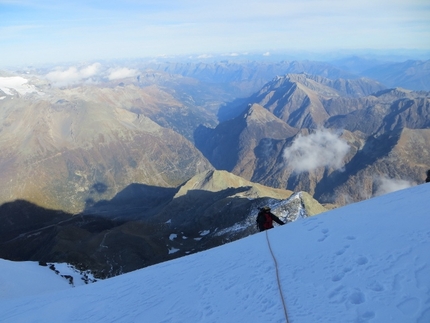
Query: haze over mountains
x=128 y=149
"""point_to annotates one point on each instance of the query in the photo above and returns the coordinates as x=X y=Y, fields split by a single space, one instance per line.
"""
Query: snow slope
x=365 y=262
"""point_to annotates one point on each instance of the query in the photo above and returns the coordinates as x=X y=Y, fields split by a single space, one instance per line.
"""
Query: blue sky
x=33 y=31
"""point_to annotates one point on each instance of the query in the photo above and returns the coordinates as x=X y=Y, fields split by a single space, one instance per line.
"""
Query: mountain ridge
x=135 y=229
x=317 y=111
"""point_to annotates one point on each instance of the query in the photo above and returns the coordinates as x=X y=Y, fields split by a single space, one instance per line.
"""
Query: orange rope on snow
x=277 y=278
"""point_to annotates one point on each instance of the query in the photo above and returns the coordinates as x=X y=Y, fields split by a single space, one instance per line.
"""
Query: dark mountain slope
x=210 y=209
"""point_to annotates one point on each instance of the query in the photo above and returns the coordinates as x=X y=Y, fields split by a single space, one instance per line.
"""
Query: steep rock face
x=63 y=150
x=291 y=101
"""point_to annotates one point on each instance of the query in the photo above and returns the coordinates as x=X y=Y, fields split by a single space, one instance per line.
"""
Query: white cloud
x=90 y=70
x=120 y=73
x=385 y=185
x=266 y=54
x=231 y=54
x=73 y=75
x=319 y=149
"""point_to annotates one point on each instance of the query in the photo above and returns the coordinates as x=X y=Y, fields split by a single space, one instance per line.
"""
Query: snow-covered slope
x=366 y=262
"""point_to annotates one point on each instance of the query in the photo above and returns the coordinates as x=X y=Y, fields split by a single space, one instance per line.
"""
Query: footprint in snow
x=325 y=232
x=362 y=261
x=338 y=277
x=341 y=251
x=357 y=298
x=375 y=286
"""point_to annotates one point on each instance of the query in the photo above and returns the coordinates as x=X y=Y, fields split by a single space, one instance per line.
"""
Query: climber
x=265 y=219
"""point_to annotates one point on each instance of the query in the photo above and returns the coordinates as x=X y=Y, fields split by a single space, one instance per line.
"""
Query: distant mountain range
x=411 y=74
x=168 y=159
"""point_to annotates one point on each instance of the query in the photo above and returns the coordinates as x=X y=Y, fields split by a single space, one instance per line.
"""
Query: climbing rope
x=277 y=278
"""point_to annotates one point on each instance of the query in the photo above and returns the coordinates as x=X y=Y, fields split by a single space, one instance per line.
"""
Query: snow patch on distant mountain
x=173 y=250
x=18 y=84
x=173 y=236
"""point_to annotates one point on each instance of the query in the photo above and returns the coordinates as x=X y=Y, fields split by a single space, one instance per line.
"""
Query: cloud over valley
x=73 y=74
x=385 y=185
x=322 y=148
x=120 y=73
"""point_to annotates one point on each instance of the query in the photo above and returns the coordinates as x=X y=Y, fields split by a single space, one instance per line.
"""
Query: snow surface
x=365 y=262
